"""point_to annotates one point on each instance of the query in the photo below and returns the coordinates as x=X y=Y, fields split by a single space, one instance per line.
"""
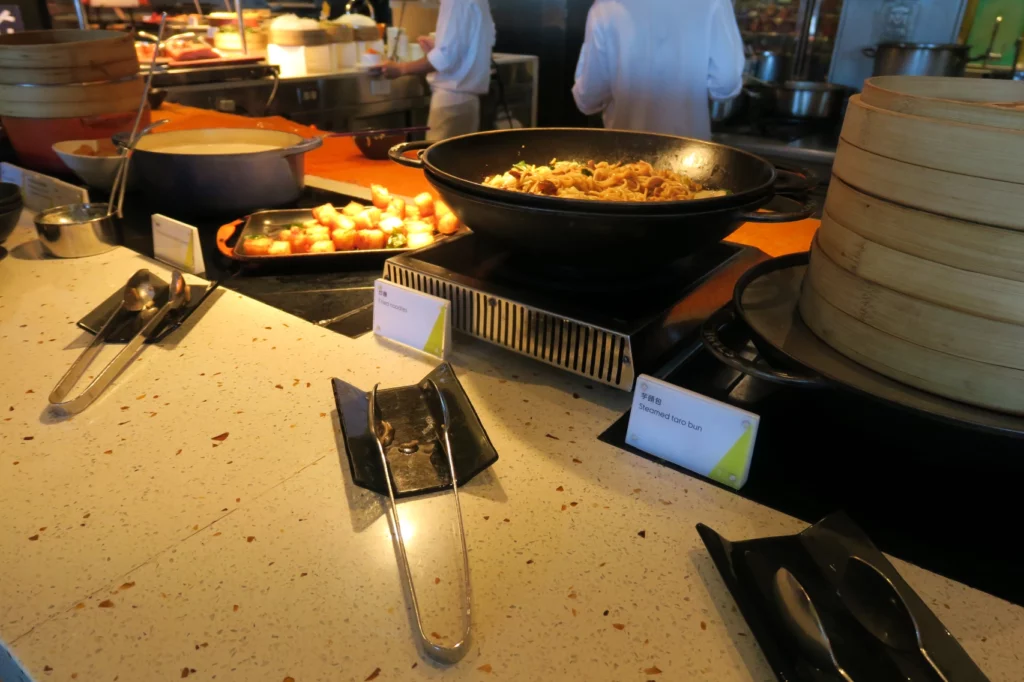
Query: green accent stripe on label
x=435 y=342
x=729 y=470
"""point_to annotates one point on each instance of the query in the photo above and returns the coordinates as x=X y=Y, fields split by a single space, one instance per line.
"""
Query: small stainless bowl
x=76 y=230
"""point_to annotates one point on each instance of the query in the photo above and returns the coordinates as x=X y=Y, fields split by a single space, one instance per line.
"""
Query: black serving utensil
x=416 y=451
x=816 y=557
x=803 y=632
x=803 y=620
x=831 y=543
x=876 y=604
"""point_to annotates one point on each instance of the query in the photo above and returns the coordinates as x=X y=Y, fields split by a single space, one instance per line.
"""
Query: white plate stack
x=918 y=269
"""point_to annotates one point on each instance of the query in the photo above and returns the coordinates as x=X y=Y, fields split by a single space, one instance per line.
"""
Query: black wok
x=613 y=235
x=463 y=162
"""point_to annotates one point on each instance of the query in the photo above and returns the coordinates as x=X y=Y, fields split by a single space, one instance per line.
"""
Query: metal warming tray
x=592 y=334
x=263 y=223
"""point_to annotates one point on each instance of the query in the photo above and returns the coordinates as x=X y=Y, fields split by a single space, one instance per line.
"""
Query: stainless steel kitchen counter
x=814 y=149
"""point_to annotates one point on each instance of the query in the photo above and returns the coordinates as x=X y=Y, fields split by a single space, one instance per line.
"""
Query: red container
x=33 y=138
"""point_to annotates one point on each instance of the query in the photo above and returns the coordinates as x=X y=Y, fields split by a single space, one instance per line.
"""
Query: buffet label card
x=41 y=192
x=693 y=431
x=412 y=318
x=177 y=243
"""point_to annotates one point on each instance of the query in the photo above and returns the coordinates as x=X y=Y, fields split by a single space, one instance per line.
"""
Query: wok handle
x=806 y=209
x=224 y=233
x=397 y=153
x=712 y=340
x=793 y=181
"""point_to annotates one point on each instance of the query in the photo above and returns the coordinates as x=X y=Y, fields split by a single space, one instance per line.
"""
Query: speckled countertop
x=137 y=546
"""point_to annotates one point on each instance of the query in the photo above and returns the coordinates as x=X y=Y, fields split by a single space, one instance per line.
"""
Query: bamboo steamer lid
x=66 y=101
x=981 y=101
x=65 y=49
x=60 y=75
x=339 y=33
x=992 y=202
x=976 y=383
x=911 y=319
x=960 y=244
x=366 y=33
x=293 y=37
x=978 y=151
x=969 y=292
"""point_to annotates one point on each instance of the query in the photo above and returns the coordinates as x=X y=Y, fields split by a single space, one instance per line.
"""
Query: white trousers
x=452 y=114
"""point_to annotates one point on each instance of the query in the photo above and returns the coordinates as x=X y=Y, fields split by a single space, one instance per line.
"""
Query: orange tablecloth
x=340 y=159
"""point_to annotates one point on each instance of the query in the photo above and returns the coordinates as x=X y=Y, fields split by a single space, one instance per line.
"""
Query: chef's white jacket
x=651 y=65
x=462 y=48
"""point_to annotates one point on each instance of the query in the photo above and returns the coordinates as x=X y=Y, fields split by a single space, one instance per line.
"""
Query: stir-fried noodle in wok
x=602 y=181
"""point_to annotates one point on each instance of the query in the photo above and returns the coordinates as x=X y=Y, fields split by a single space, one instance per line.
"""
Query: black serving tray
x=817 y=557
x=128 y=324
x=406 y=410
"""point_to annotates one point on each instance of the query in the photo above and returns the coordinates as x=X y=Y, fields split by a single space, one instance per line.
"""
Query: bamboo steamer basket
x=920 y=322
x=968 y=381
x=980 y=101
x=66 y=101
x=978 y=151
x=982 y=200
x=960 y=244
x=970 y=292
x=66 y=56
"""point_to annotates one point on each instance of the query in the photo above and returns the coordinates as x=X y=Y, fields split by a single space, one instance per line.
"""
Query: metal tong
x=381 y=430
x=139 y=293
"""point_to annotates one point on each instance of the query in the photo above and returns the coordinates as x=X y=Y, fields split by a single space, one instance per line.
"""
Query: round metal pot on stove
x=220 y=171
x=918 y=59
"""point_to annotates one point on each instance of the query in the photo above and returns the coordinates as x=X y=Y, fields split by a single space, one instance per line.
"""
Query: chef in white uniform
x=459 y=66
x=651 y=65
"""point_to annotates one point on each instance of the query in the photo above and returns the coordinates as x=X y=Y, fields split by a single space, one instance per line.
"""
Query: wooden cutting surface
x=339 y=159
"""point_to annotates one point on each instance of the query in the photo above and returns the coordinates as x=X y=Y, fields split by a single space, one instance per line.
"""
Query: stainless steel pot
x=76 y=230
x=724 y=109
x=918 y=59
x=220 y=171
x=808 y=99
x=770 y=66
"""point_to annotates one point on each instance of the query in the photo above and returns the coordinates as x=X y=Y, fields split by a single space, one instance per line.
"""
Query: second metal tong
x=381 y=431
x=139 y=294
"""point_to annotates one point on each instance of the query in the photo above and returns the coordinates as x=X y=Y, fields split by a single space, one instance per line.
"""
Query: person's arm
x=457 y=22
x=416 y=68
x=593 y=88
x=725 y=63
x=419 y=67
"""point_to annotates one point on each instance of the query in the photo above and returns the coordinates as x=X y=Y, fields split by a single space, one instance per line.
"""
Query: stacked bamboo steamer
x=917 y=271
x=63 y=85
x=67 y=73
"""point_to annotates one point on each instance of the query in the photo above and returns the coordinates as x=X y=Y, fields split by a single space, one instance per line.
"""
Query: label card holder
x=41 y=192
x=177 y=243
x=412 y=318
x=698 y=433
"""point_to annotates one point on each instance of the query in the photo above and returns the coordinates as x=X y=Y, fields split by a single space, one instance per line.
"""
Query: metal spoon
x=804 y=623
x=878 y=606
x=138 y=297
x=177 y=296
